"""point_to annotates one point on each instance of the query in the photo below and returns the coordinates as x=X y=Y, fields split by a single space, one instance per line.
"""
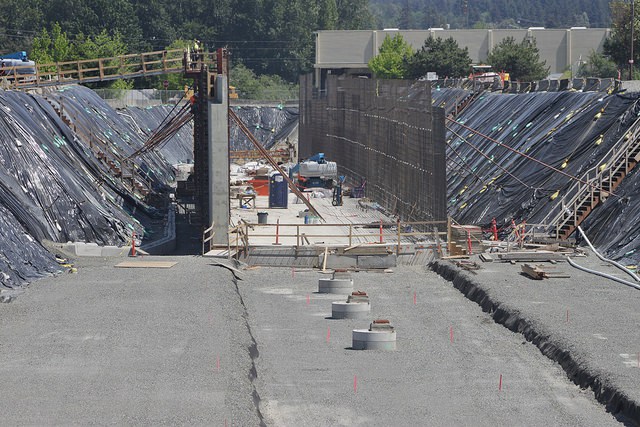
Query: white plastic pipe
x=600 y=273
x=617 y=264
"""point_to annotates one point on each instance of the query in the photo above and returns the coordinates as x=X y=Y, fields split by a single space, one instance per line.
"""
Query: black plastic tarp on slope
x=144 y=121
x=84 y=107
x=614 y=227
x=570 y=131
x=52 y=185
x=267 y=124
x=45 y=177
x=22 y=258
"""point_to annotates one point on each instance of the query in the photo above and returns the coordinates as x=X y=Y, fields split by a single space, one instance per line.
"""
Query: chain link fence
x=122 y=98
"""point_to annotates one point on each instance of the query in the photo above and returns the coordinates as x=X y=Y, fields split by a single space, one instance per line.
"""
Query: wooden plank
x=531 y=256
x=533 y=271
x=145 y=264
x=485 y=257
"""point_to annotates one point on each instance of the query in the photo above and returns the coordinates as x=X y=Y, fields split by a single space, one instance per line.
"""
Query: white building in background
x=350 y=51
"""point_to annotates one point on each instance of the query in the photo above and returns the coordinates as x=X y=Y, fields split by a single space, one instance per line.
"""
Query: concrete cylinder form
x=357 y=306
x=340 y=283
x=380 y=336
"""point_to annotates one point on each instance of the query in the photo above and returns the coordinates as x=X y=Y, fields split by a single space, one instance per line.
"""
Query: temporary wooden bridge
x=104 y=69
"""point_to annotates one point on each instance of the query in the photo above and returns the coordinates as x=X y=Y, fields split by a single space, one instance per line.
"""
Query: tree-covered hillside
x=421 y=14
x=273 y=37
x=268 y=36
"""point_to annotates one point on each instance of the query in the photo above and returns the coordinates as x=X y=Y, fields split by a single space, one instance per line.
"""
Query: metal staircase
x=596 y=184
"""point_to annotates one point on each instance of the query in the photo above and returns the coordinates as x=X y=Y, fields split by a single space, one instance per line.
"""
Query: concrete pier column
x=219 y=203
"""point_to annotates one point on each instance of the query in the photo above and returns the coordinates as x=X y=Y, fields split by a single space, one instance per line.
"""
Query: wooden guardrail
x=104 y=69
x=207 y=236
x=249 y=155
x=238 y=240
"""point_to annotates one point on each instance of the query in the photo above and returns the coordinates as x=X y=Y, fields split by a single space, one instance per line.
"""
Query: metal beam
x=273 y=163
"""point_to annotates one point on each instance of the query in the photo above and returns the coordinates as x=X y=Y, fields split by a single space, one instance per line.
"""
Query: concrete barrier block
x=377 y=261
x=88 y=249
x=339 y=261
x=112 y=251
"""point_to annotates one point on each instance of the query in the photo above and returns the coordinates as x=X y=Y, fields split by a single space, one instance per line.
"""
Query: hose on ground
x=600 y=273
x=610 y=261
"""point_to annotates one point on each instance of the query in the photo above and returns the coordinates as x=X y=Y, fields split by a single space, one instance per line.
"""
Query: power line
x=533 y=159
x=488 y=158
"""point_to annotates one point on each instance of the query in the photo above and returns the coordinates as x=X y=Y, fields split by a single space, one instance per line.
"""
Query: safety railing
x=105 y=69
x=525 y=232
x=596 y=183
x=207 y=236
x=238 y=241
x=351 y=235
x=437 y=234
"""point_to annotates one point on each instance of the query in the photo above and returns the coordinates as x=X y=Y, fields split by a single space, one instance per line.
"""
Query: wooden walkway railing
x=103 y=69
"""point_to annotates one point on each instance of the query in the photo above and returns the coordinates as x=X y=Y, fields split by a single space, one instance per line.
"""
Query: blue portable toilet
x=278 y=191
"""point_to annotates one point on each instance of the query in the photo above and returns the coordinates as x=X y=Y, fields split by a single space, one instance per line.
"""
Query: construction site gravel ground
x=446 y=369
x=191 y=345
x=127 y=346
x=587 y=323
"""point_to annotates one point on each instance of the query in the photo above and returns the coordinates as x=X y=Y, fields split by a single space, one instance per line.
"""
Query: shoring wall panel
x=385 y=132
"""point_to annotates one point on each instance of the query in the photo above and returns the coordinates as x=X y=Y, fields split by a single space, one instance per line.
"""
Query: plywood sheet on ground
x=146 y=264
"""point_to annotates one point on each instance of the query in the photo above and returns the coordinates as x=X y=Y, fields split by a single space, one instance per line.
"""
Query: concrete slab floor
x=592 y=320
x=348 y=213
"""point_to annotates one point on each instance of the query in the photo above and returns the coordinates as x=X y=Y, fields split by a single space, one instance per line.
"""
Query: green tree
x=101 y=45
x=598 y=65
x=391 y=61
x=354 y=15
x=176 y=80
x=618 y=45
x=52 y=47
x=90 y=17
x=245 y=81
x=156 y=26
x=18 y=20
x=264 y=87
x=328 y=18
x=444 y=57
x=55 y=46
x=520 y=60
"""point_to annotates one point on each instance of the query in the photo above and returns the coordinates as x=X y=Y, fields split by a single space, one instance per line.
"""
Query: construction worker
x=195 y=53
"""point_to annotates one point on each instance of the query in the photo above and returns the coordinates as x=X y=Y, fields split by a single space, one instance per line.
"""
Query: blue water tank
x=278 y=191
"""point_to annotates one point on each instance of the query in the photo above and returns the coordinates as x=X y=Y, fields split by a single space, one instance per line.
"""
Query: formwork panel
x=385 y=132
